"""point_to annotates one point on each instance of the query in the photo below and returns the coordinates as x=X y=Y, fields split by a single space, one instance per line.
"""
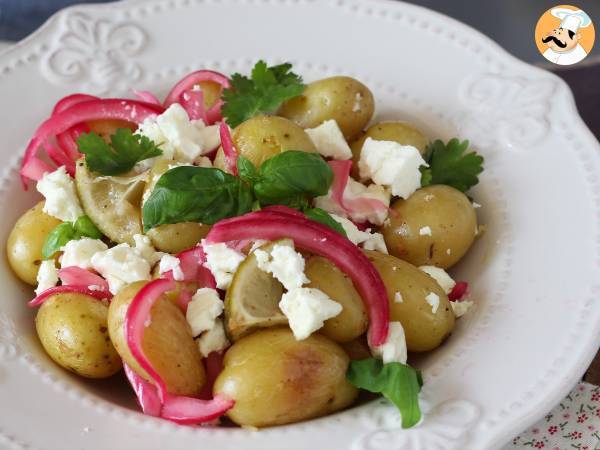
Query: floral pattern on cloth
x=573 y=424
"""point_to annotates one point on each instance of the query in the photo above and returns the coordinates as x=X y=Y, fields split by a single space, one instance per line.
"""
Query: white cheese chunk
x=434 y=301
x=120 y=266
x=203 y=309
x=47 y=276
x=441 y=276
x=388 y=163
x=213 y=340
x=398 y=298
x=284 y=263
x=367 y=239
x=356 y=191
x=146 y=250
x=171 y=263
x=307 y=309
x=179 y=137
x=59 y=191
x=329 y=140
x=211 y=138
x=425 y=231
x=79 y=252
x=394 y=348
x=460 y=308
x=222 y=261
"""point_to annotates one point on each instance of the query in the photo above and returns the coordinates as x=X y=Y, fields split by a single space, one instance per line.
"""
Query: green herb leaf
x=125 y=150
x=448 y=164
x=291 y=177
x=246 y=170
x=323 y=217
x=196 y=194
x=268 y=88
x=399 y=383
x=67 y=231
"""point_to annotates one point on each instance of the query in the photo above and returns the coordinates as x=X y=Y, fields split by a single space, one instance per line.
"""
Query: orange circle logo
x=564 y=35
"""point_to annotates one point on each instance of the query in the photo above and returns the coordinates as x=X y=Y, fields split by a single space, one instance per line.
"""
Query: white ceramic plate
x=535 y=274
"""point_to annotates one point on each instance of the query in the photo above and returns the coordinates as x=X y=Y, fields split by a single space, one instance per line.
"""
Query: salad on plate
x=251 y=250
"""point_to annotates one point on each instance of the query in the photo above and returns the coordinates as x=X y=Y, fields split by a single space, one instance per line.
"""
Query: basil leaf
x=58 y=237
x=246 y=170
x=323 y=217
x=398 y=382
x=85 y=227
x=196 y=194
x=67 y=231
x=291 y=175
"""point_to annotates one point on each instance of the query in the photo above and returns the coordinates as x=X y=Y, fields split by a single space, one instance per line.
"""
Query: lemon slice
x=113 y=203
x=253 y=297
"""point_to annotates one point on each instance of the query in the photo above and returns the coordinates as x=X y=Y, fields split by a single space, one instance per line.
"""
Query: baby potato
x=167 y=342
x=177 y=237
x=262 y=137
x=399 y=132
x=346 y=100
x=424 y=329
x=357 y=348
x=353 y=320
x=211 y=91
x=275 y=379
x=73 y=330
x=452 y=224
x=25 y=242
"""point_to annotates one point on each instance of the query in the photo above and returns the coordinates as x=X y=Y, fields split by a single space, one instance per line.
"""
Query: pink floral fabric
x=573 y=424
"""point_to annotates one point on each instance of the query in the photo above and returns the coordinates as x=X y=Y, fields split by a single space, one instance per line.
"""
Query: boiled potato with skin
x=172 y=237
x=25 y=242
x=211 y=91
x=399 y=132
x=353 y=320
x=74 y=332
x=275 y=379
x=424 y=329
x=262 y=137
x=167 y=342
x=107 y=127
x=343 y=99
x=357 y=348
x=449 y=215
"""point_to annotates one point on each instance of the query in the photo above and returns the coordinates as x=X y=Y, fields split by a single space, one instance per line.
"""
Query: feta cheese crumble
x=179 y=137
x=398 y=297
x=284 y=263
x=144 y=247
x=388 y=163
x=440 y=276
x=366 y=239
x=394 y=348
x=222 y=261
x=355 y=191
x=120 y=266
x=47 y=276
x=425 y=231
x=476 y=205
x=307 y=309
x=434 y=301
x=213 y=340
x=79 y=252
x=203 y=309
x=460 y=308
x=329 y=140
x=58 y=188
x=171 y=263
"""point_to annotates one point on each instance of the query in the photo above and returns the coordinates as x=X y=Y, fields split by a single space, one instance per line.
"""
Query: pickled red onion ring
x=145 y=392
x=76 y=276
x=100 y=295
x=459 y=292
x=146 y=96
x=231 y=153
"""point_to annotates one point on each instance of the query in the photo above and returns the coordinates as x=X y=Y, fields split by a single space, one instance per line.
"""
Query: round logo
x=564 y=35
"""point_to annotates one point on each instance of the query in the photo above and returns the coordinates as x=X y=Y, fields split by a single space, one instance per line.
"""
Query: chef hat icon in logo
x=564 y=35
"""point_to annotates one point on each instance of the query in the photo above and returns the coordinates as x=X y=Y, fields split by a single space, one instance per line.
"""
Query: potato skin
x=275 y=379
x=25 y=242
x=344 y=99
x=424 y=329
x=73 y=330
x=262 y=137
x=449 y=214
x=400 y=132
x=167 y=342
x=353 y=320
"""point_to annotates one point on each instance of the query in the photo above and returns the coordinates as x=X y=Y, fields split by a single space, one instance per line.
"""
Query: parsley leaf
x=268 y=88
x=124 y=151
x=448 y=164
x=67 y=231
x=399 y=383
